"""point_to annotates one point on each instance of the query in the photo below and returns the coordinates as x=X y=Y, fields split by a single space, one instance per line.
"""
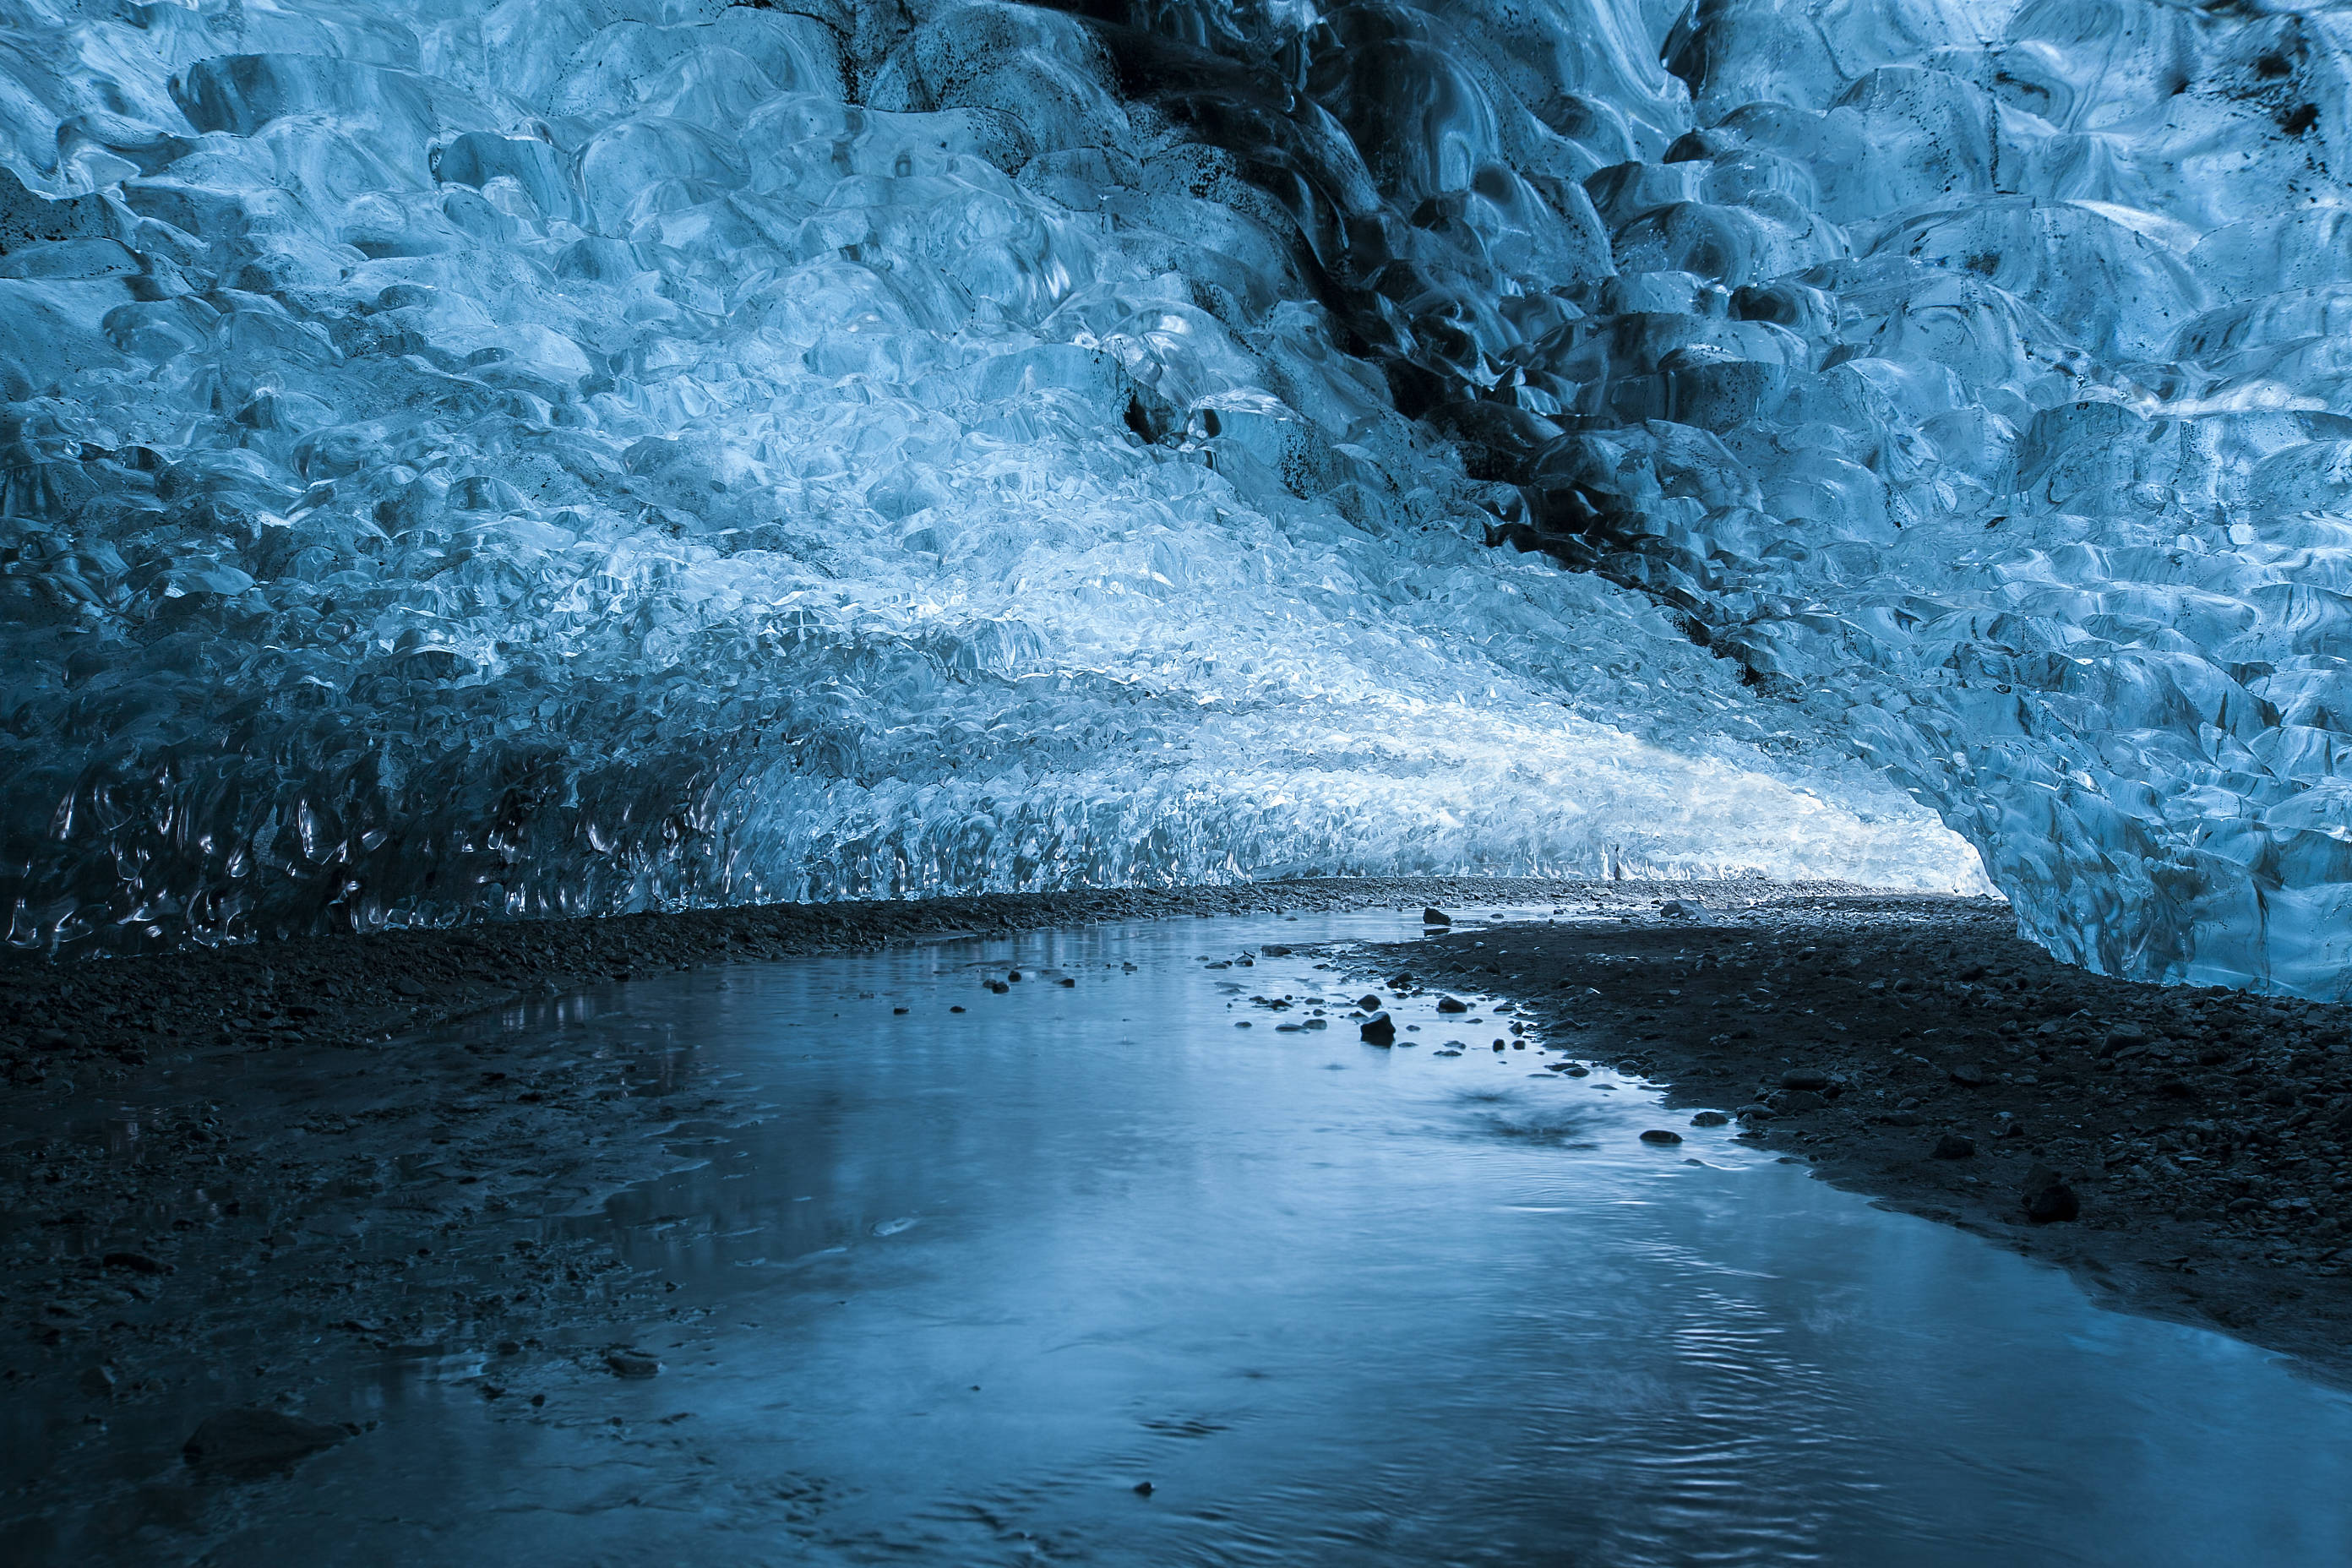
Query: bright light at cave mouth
x=466 y=459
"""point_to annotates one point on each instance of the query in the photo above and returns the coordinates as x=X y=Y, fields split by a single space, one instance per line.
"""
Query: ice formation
x=576 y=455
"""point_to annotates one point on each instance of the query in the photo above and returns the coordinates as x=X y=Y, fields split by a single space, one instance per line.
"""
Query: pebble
x=1805 y=1078
x=1436 y=917
x=2047 y=1197
x=633 y=1364
x=1660 y=1135
x=1452 y=1005
x=1709 y=1118
x=1952 y=1146
x=1967 y=1075
x=1379 y=1029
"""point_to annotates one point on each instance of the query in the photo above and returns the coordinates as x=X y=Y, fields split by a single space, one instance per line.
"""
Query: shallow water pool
x=967 y=1281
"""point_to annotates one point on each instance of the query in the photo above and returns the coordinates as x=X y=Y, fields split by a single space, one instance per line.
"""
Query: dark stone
x=956 y=1009
x=1899 y=1119
x=1753 y=1115
x=895 y=1011
x=1709 y=1118
x=1660 y=1135
x=409 y=985
x=1144 y=1489
x=1952 y=1146
x=137 y=1262
x=1379 y=1029
x=1369 y=1003
x=1797 y=1101
x=255 y=1442
x=1804 y=1078
x=2047 y=1197
x=1452 y=1005
x=633 y=1364
x=1436 y=917
x=2176 y=1089
x=1967 y=1075
x=1274 y=949
x=2123 y=1039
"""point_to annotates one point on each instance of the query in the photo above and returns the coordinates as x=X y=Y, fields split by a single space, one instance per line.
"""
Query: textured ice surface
x=1976 y=373
x=573 y=456
x=569 y=457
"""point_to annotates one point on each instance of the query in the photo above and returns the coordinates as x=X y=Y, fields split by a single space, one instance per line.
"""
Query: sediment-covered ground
x=296 y=1155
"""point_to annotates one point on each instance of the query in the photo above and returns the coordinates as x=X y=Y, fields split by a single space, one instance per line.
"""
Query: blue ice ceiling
x=556 y=457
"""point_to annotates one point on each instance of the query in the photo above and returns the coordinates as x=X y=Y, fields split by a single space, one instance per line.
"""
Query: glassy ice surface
x=969 y=1278
x=570 y=455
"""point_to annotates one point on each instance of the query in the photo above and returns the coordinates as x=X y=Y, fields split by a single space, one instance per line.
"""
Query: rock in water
x=245 y=1443
x=1436 y=917
x=633 y=1364
x=1709 y=1118
x=1452 y=1005
x=1660 y=1135
x=1379 y=1029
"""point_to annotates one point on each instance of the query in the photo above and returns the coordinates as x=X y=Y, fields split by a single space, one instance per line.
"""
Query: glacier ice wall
x=575 y=455
x=1968 y=372
x=562 y=455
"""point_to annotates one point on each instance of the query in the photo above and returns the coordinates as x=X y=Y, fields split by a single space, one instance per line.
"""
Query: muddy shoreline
x=1917 y=1050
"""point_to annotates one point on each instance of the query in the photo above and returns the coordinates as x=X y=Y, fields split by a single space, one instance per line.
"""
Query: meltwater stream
x=969 y=1278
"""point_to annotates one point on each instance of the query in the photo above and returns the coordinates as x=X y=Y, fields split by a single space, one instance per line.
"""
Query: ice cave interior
x=466 y=459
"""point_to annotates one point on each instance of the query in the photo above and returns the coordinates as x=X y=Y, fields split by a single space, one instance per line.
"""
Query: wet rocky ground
x=250 y=1171
x=253 y=1168
x=2187 y=1151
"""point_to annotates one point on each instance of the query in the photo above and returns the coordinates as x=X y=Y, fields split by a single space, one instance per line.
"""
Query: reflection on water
x=972 y=1278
